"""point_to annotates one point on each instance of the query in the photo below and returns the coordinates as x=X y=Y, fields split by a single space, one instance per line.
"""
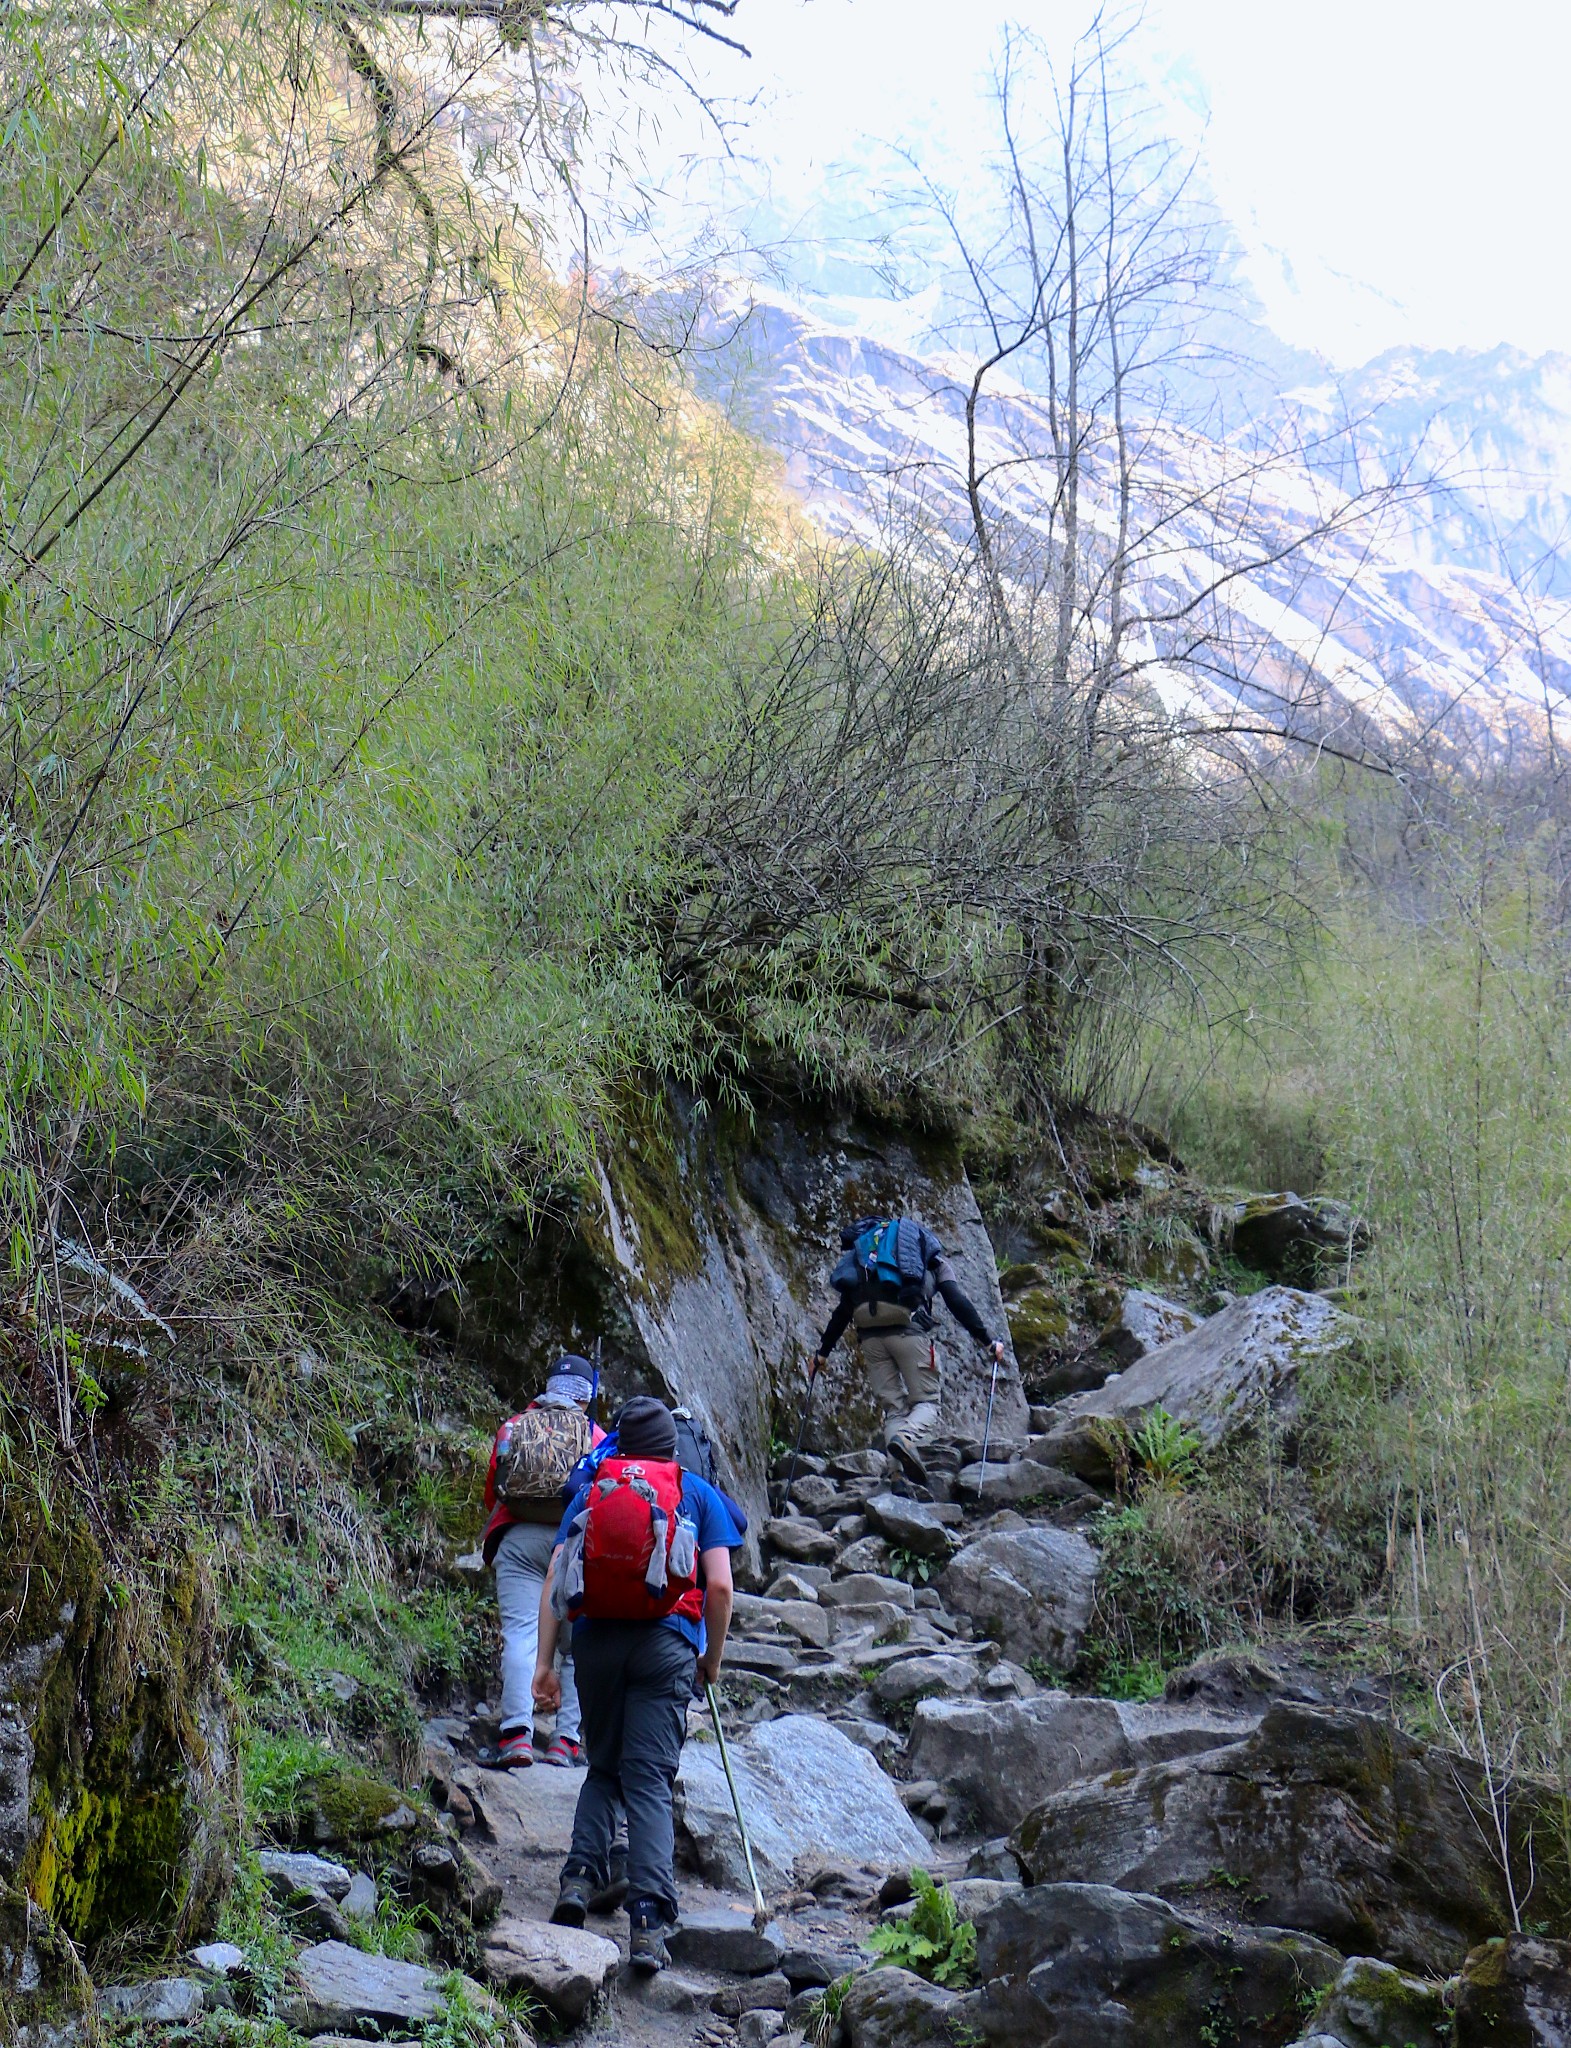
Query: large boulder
x=1218 y=1379
x=565 y=1967
x=1291 y=1238
x=1515 y=1993
x=1086 y=1966
x=913 y=1525
x=806 y=1789
x=1000 y=1758
x=1332 y=1822
x=1029 y=1588
x=1372 y=2004
x=890 y=2008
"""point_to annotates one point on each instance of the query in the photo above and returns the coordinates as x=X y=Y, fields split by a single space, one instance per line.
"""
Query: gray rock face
x=1028 y=1588
x=896 y=2009
x=1334 y=1822
x=1000 y=1758
x=1145 y=1322
x=914 y=1525
x=1024 y=1479
x=566 y=1967
x=806 y=1789
x=864 y=1557
x=160 y=2001
x=1086 y=1966
x=1220 y=1378
x=288 y=1872
x=343 y=1988
x=1372 y=2003
x=359 y=1901
x=723 y=1938
x=1515 y=1993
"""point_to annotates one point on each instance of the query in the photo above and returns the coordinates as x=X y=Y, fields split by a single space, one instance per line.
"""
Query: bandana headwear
x=646 y=1429
x=571 y=1379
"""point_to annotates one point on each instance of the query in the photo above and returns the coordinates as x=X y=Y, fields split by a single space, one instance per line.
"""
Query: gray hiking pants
x=635 y=1679
x=523 y=1557
x=901 y=1370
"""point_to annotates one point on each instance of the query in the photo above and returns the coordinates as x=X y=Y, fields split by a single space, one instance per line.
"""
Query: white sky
x=1398 y=168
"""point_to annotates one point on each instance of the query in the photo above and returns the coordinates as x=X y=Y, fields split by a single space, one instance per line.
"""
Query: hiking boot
x=907 y=1458
x=516 y=1750
x=646 y=1930
x=566 y=1754
x=614 y=1890
x=572 y=1901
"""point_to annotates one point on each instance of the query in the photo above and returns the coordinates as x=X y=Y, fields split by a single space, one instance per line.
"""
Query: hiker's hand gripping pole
x=760 y=1909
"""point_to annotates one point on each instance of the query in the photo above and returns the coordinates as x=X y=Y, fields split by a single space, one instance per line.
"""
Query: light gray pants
x=900 y=1370
x=523 y=1557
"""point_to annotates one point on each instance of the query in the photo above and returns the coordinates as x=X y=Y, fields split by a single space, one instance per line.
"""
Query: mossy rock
x=352 y=1806
x=1373 y=2005
x=130 y=1789
x=1038 y=1323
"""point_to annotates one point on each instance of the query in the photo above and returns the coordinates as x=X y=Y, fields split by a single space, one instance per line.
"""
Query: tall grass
x=1420 y=1070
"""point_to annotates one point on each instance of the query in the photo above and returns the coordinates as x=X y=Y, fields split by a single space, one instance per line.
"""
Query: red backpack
x=629 y=1555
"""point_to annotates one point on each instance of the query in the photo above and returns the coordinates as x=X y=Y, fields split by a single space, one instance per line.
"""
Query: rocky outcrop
x=566 y=1968
x=1029 y=1588
x=807 y=1790
x=1144 y=1322
x=1001 y=1758
x=1334 y=1823
x=1087 y=1966
x=1515 y=1992
x=896 y=2009
x=1290 y=1238
x=1220 y=1378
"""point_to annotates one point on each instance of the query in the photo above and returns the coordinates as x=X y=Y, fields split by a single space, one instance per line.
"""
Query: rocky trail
x=1257 y=1858
x=1248 y=1853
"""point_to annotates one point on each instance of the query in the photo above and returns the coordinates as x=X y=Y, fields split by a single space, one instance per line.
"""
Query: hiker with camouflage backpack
x=531 y=1461
x=888 y=1273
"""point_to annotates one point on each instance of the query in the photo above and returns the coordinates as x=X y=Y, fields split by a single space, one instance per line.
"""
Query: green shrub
x=933 y=1941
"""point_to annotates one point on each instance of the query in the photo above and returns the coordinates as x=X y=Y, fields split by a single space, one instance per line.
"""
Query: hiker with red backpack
x=642 y=1571
x=888 y=1273
x=531 y=1460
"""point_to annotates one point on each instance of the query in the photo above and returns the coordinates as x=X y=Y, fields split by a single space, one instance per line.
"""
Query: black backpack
x=694 y=1451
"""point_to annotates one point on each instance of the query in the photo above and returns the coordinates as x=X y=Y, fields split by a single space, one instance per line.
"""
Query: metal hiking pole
x=760 y=1909
x=807 y=1409
x=987 y=1430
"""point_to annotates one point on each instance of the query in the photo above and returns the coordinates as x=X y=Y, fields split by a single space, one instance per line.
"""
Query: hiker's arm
x=547 y=1688
x=718 y=1601
x=960 y=1305
x=834 y=1329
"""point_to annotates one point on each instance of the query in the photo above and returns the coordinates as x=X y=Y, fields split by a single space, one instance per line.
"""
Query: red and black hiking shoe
x=566 y=1754
x=516 y=1750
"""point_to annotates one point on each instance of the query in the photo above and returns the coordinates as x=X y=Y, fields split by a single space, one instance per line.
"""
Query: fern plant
x=1165 y=1451
x=934 y=1941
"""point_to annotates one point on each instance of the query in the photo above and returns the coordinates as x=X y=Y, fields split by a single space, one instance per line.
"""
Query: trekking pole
x=987 y=1431
x=807 y=1409
x=760 y=1909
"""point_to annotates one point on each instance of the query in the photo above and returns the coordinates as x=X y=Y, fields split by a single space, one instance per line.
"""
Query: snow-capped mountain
x=1404 y=624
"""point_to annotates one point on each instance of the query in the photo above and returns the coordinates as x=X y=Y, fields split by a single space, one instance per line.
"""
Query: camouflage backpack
x=536 y=1451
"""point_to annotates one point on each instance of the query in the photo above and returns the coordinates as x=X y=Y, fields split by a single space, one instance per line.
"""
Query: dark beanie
x=646 y=1428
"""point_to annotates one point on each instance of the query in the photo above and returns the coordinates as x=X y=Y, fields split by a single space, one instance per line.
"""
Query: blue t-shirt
x=714 y=1528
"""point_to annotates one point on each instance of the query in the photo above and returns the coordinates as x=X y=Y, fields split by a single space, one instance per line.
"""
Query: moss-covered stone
x=122 y=1784
x=1374 y=2005
x=1038 y=1324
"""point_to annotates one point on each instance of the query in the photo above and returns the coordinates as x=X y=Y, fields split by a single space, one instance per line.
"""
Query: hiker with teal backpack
x=532 y=1459
x=642 y=1574
x=889 y=1272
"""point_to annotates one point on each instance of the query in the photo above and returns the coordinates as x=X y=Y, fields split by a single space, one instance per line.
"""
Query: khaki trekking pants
x=900 y=1370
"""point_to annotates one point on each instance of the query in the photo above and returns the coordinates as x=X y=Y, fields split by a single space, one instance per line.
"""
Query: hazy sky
x=1397 y=170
